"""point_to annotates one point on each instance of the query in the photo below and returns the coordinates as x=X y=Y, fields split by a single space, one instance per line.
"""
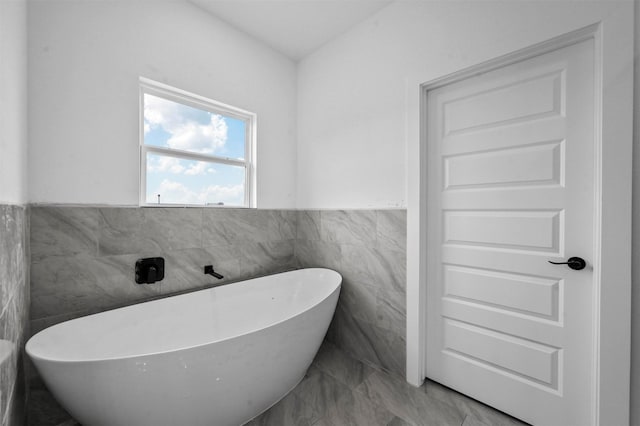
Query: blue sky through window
x=182 y=181
x=172 y=125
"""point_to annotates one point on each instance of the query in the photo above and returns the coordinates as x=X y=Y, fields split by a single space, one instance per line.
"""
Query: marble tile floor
x=340 y=391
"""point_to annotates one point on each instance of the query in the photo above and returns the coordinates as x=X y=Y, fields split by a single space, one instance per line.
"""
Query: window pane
x=169 y=124
x=181 y=181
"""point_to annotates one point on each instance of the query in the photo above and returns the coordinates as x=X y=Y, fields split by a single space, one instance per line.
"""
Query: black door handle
x=576 y=263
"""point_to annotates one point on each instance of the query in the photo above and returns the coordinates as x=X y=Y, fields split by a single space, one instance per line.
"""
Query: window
x=194 y=151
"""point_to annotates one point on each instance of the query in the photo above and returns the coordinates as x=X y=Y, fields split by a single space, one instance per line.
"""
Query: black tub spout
x=208 y=269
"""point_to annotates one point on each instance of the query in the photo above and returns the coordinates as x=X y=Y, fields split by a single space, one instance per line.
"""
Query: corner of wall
x=14 y=216
x=14 y=312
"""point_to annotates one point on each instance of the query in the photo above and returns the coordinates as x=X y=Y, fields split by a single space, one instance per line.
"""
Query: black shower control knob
x=149 y=270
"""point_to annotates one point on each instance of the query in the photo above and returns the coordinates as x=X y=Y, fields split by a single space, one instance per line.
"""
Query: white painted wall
x=85 y=58
x=13 y=102
x=352 y=96
x=353 y=108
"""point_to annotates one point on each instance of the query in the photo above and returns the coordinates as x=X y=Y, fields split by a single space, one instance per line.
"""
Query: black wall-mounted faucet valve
x=149 y=270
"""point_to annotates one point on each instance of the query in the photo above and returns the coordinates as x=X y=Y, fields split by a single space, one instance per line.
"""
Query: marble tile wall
x=368 y=247
x=82 y=261
x=82 y=258
x=14 y=311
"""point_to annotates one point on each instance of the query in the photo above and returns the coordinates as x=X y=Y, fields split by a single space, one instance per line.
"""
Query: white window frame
x=196 y=101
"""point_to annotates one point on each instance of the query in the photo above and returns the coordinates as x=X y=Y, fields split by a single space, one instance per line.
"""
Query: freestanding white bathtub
x=214 y=357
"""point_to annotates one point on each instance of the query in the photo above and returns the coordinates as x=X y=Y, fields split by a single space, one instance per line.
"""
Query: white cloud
x=186 y=132
x=233 y=195
x=165 y=164
x=176 y=166
x=199 y=168
x=177 y=193
x=193 y=136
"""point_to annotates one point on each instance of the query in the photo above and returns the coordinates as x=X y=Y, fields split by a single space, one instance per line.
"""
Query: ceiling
x=293 y=27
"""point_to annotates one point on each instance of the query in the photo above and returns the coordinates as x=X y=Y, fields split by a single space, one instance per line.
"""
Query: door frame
x=613 y=41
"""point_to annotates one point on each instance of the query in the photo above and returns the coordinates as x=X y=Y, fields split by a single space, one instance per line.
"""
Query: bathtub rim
x=35 y=358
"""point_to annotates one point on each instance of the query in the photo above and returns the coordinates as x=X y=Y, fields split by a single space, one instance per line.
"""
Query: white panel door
x=511 y=187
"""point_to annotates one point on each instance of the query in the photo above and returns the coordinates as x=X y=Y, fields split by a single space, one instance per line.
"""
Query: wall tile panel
x=348 y=226
x=240 y=243
x=319 y=254
x=232 y=225
x=308 y=225
x=14 y=311
x=78 y=283
x=282 y=225
x=63 y=231
x=391 y=312
x=139 y=230
x=266 y=258
x=368 y=247
x=359 y=300
x=391 y=229
x=367 y=342
x=375 y=265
